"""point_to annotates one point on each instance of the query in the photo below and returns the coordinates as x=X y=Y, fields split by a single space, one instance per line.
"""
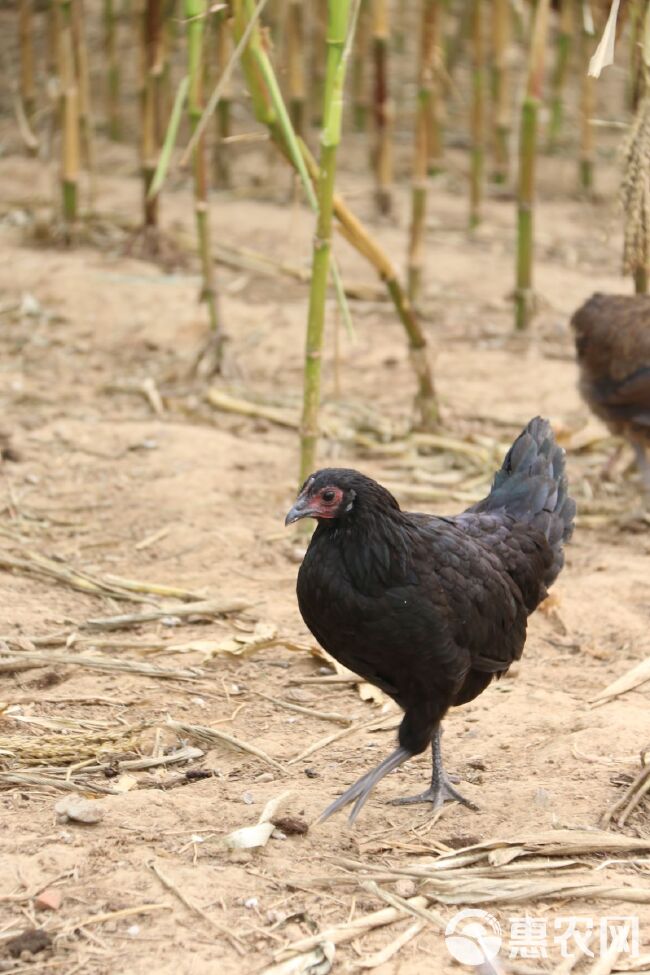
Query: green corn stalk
x=223 y=113
x=478 y=116
x=270 y=111
x=195 y=12
x=527 y=151
x=337 y=28
x=560 y=71
x=169 y=141
x=586 y=161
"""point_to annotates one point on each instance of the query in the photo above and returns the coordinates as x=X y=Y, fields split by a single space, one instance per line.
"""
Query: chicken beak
x=301 y=509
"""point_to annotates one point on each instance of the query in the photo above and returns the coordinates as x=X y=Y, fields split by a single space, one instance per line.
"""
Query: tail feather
x=532 y=487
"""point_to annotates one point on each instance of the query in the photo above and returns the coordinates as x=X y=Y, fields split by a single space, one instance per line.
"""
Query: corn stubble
x=635 y=197
x=337 y=28
x=195 y=12
x=524 y=298
x=285 y=76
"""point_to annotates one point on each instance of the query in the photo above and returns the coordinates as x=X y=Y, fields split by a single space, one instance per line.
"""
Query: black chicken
x=612 y=334
x=431 y=609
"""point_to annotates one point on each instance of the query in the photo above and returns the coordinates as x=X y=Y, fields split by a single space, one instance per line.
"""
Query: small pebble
x=251 y=903
x=265 y=777
x=48 y=900
x=405 y=887
x=78 y=810
x=542 y=798
x=133 y=931
x=248 y=798
x=171 y=621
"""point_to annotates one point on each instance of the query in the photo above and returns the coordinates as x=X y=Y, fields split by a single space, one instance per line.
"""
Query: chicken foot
x=359 y=792
x=643 y=463
x=441 y=790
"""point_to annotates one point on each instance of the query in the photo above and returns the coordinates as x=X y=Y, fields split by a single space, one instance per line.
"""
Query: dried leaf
x=367 y=692
x=604 y=54
x=236 y=645
x=249 y=837
x=639 y=674
x=315 y=962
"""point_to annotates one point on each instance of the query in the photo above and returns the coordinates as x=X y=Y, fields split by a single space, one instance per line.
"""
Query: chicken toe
x=361 y=789
x=441 y=789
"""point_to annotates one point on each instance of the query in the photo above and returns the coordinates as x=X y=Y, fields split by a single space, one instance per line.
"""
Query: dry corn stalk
x=430 y=12
x=501 y=29
x=635 y=194
x=69 y=109
x=477 y=115
x=296 y=63
x=66 y=748
x=26 y=42
x=151 y=128
x=382 y=106
x=112 y=70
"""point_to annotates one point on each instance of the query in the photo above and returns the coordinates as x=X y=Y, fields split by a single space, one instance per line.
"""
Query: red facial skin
x=326 y=503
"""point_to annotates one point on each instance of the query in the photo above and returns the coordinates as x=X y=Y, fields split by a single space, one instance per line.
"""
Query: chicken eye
x=328 y=495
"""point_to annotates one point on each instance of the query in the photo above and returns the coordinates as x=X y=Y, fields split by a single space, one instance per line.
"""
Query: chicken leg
x=441 y=790
x=643 y=464
x=359 y=792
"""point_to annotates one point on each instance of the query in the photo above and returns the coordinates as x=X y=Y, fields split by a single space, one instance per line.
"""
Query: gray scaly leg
x=441 y=790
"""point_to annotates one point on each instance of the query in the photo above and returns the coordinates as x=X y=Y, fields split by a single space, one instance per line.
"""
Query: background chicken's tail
x=532 y=488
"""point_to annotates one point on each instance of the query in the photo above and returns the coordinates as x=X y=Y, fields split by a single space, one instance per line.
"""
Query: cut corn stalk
x=337 y=30
x=223 y=55
x=26 y=45
x=430 y=10
x=269 y=110
x=195 y=14
x=114 y=123
x=295 y=64
x=587 y=82
x=359 y=62
x=383 y=153
x=524 y=303
x=478 y=116
x=69 y=110
x=561 y=70
x=151 y=76
x=501 y=29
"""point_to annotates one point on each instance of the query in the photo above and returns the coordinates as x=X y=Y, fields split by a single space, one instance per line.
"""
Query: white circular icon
x=473 y=936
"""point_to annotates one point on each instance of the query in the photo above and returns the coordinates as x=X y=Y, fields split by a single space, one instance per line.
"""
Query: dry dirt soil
x=111 y=481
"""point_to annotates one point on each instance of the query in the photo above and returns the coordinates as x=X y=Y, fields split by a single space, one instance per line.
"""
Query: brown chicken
x=612 y=334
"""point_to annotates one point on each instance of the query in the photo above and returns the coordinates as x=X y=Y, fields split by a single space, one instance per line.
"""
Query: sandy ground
x=194 y=498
